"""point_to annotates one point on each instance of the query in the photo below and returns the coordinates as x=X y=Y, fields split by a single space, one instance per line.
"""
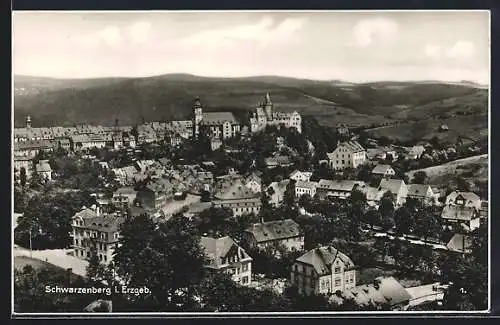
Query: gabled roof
x=393 y=185
x=418 y=190
x=459 y=213
x=306 y=184
x=85 y=213
x=105 y=223
x=274 y=230
x=321 y=259
x=343 y=186
x=381 y=169
x=126 y=190
x=352 y=146
x=216 y=118
x=459 y=243
x=298 y=172
x=233 y=189
x=393 y=291
x=43 y=166
x=468 y=196
x=217 y=249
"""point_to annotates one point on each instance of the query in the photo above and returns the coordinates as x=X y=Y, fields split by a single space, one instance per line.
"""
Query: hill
x=131 y=100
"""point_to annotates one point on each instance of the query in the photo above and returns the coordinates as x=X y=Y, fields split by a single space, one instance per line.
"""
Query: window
x=323 y=284
x=337 y=282
x=337 y=269
x=244 y=280
x=244 y=268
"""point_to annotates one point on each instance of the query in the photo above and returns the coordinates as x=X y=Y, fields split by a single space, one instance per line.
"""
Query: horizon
x=356 y=47
x=250 y=77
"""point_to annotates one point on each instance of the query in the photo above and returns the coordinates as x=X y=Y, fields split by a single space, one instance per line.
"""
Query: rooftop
x=321 y=259
x=274 y=230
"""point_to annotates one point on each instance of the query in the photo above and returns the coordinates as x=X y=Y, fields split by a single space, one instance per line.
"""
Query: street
x=57 y=257
x=424 y=293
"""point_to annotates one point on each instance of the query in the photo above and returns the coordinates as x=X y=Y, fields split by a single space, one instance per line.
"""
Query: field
x=471 y=127
x=472 y=168
x=133 y=100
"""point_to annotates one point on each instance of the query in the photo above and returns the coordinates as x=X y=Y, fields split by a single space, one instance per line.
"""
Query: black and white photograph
x=250 y=162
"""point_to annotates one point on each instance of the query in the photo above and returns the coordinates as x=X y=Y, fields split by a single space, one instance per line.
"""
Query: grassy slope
x=472 y=168
x=331 y=102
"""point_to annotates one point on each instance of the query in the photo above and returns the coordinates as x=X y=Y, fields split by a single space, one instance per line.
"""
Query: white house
x=323 y=270
x=397 y=187
x=225 y=255
x=467 y=216
x=465 y=199
x=383 y=170
x=254 y=183
x=298 y=175
x=44 y=170
x=349 y=154
x=304 y=187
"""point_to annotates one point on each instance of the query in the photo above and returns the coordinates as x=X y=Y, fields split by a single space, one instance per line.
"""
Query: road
x=57 y=257
x=174 y=206
x=413 y=241
x=424 y=293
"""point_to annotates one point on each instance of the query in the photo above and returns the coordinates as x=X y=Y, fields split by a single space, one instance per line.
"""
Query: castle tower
x=28 y=121
x=268 y=107
x=198 y=116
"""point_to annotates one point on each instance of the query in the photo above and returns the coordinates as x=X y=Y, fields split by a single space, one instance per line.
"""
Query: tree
x=386 y=209
x=22 y=176
x=419 y=177
x=166 y=258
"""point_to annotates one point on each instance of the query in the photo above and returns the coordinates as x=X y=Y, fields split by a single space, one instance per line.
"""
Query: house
x=323 y=270
x=460 y=243
x=467 y=216
x=278 y=161
x=383 y=291
x=196 y=208
x=44 y=170
x=23 y=162
x=465 y=199
x=349 y=154
x=226 y=256
x=155 y=194
x=95 y=231
x=276 y=192
x=88 y=141
x=373 y=195
x=422 y=193
x=337 y=189
x=217 y=125
x=298 y=175
x=254 y=183
x=124 y=197
x=285 y=233
x=144 y=165
x=305 y=187
x=396 y=187
x=415 y=152
x=31 y=148
x=235 y=195
x=383 y=170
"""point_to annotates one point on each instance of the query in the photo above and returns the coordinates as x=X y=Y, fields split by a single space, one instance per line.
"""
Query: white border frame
x=182 y=315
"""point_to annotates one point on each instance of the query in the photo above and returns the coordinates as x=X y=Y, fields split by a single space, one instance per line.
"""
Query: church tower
x=198 y=116
x=28 y=122
x=268 y=107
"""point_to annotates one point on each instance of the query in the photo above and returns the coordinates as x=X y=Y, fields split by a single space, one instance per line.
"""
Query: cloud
x=432 y=50
x=111 y=35
x=139 y=32
x=264 y=30
x=461 y=50
x=369 y=31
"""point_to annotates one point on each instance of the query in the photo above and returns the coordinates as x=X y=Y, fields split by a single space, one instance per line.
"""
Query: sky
x=349 y=46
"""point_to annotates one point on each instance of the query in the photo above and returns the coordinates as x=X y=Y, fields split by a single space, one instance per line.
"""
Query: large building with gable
x=264 y=115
